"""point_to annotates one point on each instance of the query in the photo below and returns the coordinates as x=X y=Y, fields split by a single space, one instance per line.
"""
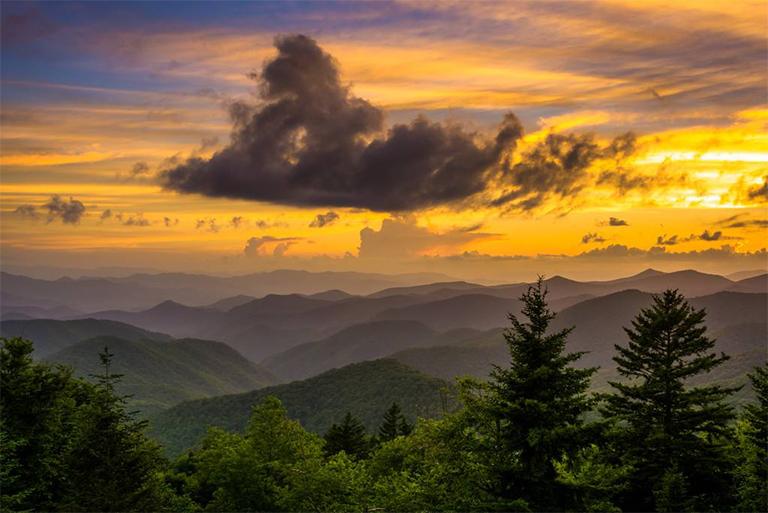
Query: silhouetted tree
x=674 y=435
x=534 y=408
x=349 y=436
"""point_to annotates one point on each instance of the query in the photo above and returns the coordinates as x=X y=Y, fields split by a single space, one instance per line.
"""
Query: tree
x=530 y=415
x=752 y=450
x=674 y=435
x=349 y=436
x=36 y=401
x=110 y=464
x=394 y=424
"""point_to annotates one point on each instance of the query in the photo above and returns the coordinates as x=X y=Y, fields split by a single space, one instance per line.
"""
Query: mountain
x=50 y=336
x=229 y=303
x=737 y=321
x=160 y=374
x=140 y=291
x=36 y=312
x=426 y=289
x=478 y=311
x=276 y=304
x=361 y=342
x=365 y=389
x=169 y=317
x=755 y=284
x=332 y=295
x=743 y=275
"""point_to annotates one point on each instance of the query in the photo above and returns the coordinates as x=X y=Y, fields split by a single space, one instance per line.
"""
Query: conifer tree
x=394 y=424
x=674 y=435
x=111 y=465
x=536 y=408
x=752 y=470
x=349 y=436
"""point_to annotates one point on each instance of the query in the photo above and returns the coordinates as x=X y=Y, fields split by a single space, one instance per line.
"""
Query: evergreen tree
x=674 y=435
x=531 y=413
x=349 y=436
x=394 y=424
x=752 y=469
x=111 y=465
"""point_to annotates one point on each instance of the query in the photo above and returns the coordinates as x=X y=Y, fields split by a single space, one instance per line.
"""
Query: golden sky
x=99 y=100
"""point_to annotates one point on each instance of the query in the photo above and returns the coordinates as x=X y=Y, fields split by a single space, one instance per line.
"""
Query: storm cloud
x=310 y=142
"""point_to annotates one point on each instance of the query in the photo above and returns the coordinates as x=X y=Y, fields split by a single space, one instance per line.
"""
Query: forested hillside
x=158 y=375
x=365 y=389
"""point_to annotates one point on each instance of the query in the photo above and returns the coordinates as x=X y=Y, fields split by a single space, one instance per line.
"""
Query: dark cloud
x=208 y=142
x=170 y=222
x=139 y=171
x=311 y=143
x=105 y=215
x=237 y=221
x=257 y=246
x=326 y=219
x=559 y=166
x=24 y=28
x=738 y=221
x=617 y=222
x=28 y=211
x=711 y=236
x=70 y=212
x=592 y=238
x=664 y=241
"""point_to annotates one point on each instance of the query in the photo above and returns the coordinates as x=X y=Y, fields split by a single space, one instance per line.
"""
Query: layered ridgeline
x=365 y=389
x=736 y=320
x=50 y=336
x=160 y=374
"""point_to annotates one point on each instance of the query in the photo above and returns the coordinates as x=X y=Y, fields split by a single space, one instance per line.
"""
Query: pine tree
x=394 y=424
x=752 y=469
x=349 y=436
x=535 y=409
x=111 y=465
x=674 y=435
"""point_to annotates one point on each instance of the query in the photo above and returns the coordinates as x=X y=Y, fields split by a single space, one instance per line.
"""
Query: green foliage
x=349 y=436
x=531 y=414
x=752 y=448
x=365 y=389
x=67 y=445
x=675 y=436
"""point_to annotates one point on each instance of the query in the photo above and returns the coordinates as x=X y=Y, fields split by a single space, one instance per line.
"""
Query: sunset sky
x=487 y=141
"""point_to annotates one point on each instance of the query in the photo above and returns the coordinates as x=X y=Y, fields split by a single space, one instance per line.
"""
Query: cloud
x=170 y=222
x=105 y=215
x=139 y=171
x=311 y=143
x=664 y=241
x=28 y=211
x=592 y=238
x=208 y=224
x=738 y=221
x=617 y=222
x=258 y=246
x=70 y=212
x=401 y=237
x=559 y=166
x=704 y=236
x=759 y=192
x=237 y=221
x=326 y=219
x=136 y=220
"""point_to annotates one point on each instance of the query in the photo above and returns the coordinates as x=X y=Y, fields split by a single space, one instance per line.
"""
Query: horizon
x=491 y=143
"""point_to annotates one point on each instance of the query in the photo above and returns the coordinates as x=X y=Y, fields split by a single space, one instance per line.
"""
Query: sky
x=488 y=141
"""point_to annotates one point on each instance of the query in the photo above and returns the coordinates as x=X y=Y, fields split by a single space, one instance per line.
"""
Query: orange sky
x=88 y=96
